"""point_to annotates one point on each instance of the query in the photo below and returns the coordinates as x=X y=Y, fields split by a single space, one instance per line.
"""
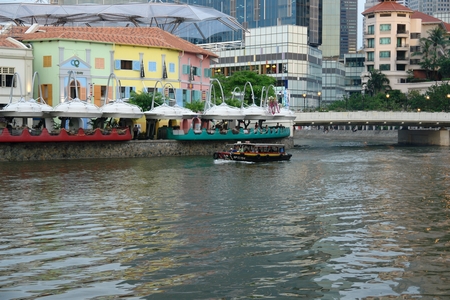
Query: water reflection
x=339 y=221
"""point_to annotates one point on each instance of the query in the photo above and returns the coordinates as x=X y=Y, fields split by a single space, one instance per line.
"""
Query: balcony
x=402 y=32
x=402 y=46
x=402 y=59
x=366 y=33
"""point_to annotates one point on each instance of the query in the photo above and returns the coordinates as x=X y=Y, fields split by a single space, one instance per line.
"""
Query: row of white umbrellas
x=76 y=108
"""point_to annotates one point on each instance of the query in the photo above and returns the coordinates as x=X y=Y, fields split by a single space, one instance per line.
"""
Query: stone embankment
x=98 y=150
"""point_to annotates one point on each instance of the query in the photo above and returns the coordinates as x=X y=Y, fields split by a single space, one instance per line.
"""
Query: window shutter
x=136 y=65
x=199 y=71
x=196 y=95
x=172 y=68
x=207 y=72
x=185 y=69
x=152 y=66
x=117 y=64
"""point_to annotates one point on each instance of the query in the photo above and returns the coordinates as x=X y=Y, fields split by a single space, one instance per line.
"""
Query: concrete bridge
x=419 y=128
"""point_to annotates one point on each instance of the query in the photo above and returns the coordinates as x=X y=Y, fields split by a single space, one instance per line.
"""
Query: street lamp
x=319 y=94
x=387 y=99
x=448 y=98
x=304 y=101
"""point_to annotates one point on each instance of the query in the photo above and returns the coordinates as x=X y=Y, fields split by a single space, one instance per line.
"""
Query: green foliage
x=435 y=100
x=433 y=51
x=195 y=106
x=377 y=82
x=438 y=100
x=239 y=79
x=144 y=99
x=444 y=69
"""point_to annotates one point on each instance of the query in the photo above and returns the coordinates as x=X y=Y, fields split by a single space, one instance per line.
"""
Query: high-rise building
x=340 y=28
x=332 y=26
x=430 y=7
x=370 y=3
x=267 y=13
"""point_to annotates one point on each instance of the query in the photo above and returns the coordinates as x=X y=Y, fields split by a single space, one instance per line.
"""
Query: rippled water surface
x=338 y=221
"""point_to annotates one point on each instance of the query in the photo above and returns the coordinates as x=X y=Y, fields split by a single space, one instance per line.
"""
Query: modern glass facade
x=430 y=7
x=280 y=52
x=266 y=13
x=340 y=30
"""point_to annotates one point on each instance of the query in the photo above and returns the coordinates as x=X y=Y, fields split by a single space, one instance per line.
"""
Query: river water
x=341 y=220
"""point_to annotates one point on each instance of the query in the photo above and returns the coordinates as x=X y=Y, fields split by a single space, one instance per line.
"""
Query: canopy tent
x=179 y=19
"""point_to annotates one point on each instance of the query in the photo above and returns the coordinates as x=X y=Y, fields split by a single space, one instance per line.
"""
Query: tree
x=144 y=99
x=433 y=50
x=438 y=97
x=239 y=79
x=378 y=82
x=444 y=69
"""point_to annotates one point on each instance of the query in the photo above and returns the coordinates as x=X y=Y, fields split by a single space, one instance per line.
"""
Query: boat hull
x=63 y=136
x=214 y=135
x=251 y=157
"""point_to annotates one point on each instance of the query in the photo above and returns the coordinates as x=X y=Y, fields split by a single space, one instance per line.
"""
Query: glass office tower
x=267 y=13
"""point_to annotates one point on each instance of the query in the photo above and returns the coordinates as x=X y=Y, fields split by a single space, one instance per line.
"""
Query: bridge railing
x=373 y=117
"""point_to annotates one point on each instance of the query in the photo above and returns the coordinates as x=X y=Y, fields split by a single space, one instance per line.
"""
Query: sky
x=360 y=18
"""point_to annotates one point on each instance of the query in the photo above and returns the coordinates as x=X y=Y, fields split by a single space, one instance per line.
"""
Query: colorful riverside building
x=141 y=58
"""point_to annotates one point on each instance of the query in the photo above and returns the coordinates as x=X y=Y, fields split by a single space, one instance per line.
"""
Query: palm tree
x=378 y=82
x=433 y=50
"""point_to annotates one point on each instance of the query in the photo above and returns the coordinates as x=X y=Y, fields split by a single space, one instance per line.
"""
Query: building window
x=370 y=16
x=370 y=43
x=414 y=61
x=385 y=15
x=385 y=27
x=415 y=36
x=127 y=65
x=385 y=67
x=385 y=54
x=414 y=49
x=370 y=56
x=385 y=41
x=6 y=77
x=401 y=67
x=47 y=61
x=370 y=68
x=371 y=29
x=401 y=15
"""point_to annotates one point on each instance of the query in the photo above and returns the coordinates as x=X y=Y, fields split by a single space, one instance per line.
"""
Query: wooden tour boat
x=254 y=152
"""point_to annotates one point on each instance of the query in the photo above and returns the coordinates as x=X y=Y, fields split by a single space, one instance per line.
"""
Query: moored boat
x=254 y=152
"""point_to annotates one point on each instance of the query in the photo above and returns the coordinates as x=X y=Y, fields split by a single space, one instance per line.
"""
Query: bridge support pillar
x=424 y=137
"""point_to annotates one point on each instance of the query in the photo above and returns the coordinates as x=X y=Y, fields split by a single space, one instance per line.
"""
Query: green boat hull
x=216 y=135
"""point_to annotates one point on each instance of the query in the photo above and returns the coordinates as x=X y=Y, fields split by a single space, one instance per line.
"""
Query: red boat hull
x=64 y=136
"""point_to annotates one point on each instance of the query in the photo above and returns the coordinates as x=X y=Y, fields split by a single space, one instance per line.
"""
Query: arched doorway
x=74 y=89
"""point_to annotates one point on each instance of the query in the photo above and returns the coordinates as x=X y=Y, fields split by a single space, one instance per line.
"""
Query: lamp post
x=319 y=94
x=387 y=99
x=448 y=98
x=304 y=101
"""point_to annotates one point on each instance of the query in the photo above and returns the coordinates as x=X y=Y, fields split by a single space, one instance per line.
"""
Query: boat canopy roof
x=256 y=144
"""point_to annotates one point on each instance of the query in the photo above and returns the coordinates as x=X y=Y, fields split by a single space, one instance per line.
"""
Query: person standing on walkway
x=135 y=132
